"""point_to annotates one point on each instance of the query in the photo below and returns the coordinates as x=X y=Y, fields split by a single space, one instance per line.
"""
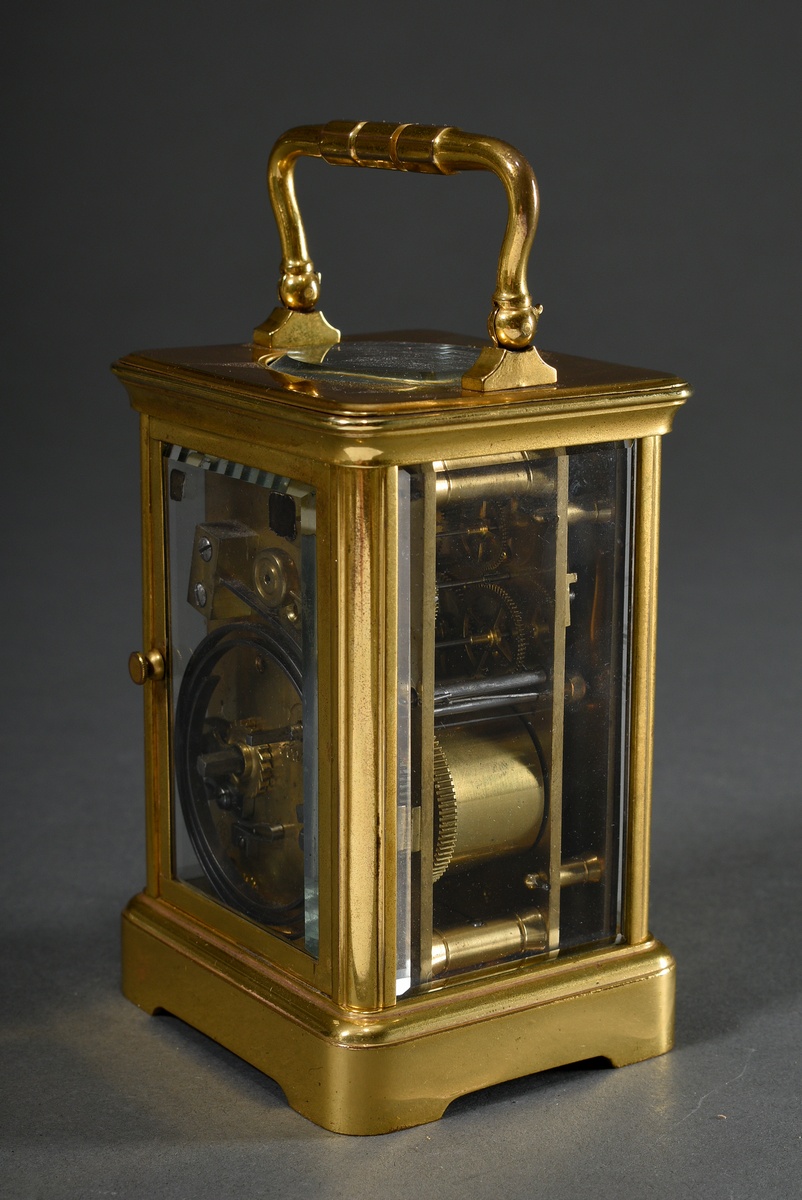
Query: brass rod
x=582 y=870
x=366 y=836
x=150 y=592
x=470 y=945
x=562 y=616
x=644 y=627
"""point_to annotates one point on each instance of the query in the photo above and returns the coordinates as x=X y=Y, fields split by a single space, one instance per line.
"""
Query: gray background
x=666 y=142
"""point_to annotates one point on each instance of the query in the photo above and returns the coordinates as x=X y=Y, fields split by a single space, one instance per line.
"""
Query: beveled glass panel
x=243 y=613
x=525 y=739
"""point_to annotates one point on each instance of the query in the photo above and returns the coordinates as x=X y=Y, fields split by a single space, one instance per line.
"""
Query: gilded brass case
x=330 y=1030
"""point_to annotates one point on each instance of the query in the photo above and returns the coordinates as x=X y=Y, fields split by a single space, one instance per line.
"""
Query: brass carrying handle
x=429 y=149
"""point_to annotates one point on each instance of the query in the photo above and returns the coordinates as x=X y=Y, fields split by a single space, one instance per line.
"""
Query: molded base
x=365 y=1073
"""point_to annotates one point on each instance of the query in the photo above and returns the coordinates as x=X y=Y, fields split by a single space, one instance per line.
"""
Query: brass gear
x=264 y=765
x=485 y=539
x=445 y=814
x=258 y=767
x=494 y=628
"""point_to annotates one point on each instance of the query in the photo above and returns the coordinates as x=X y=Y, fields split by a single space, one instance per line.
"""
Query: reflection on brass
x=370 y=1073
x=489 y=794
x=142 y=667
x=285 y=330
x=463 y=946
x=517 y=475
x=512 y=361
x=500 y=370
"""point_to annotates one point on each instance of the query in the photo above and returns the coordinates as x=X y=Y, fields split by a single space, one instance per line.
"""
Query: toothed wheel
x=445 y=814
x=494 y=630
x=484 y=541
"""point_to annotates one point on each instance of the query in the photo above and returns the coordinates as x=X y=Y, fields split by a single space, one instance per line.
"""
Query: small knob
x=142 y=667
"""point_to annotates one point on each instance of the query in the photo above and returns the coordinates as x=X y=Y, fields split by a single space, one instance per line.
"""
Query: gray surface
x=666 y=144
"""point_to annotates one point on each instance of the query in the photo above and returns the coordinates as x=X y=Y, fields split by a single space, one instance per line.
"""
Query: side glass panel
x=597 y=657
x=243 y=620
x=519 y=602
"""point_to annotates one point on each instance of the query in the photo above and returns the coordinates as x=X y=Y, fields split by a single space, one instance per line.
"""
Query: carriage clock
x=399 y=640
